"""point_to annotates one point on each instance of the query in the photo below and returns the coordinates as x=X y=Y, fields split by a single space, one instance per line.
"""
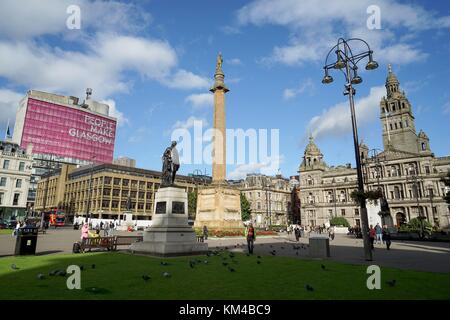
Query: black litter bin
x=26 y=241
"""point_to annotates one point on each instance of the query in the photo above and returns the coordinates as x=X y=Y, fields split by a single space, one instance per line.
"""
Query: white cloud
x=183 y=79
x=114 y=112
x=336 y=120
x=189 y=123
x=31 y=18
x=200 y=100
x=290 y=93
x=314 y=28
x=269 y=167
x=446 y=108
x=234 y=62
x=229 y=30
x=100 y=68
x=9 y=102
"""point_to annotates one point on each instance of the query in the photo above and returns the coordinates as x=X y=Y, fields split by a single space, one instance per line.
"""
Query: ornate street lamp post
x=415 y=180
x=88 y=213
x=348 y=61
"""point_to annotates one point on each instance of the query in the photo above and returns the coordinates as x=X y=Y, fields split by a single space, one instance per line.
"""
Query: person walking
x=205 y=232
x=106 y=230
x=297 y=233
x=331 y=233
x=379 y=233
x=16 y=229
x=387 y=237
x=250 y=235
x=84 y=234
x=372 y=235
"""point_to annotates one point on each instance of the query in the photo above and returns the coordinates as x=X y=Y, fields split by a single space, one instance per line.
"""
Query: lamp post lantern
x=348 y=61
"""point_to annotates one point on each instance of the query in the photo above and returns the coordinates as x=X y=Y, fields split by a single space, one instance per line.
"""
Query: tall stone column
x=219 y=145
x=219 y=205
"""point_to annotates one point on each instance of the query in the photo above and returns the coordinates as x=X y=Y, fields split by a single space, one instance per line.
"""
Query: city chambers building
x=406 y=170
x=104 y=189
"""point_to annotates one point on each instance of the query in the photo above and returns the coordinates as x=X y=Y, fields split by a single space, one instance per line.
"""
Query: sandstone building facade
x=406 y=170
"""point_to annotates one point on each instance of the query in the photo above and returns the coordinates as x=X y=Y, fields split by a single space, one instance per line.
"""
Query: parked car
x=11 y=224
x=3 y=224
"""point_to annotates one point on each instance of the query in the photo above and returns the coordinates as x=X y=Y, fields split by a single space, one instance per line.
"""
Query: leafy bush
x=414 y=225
x=339 y=221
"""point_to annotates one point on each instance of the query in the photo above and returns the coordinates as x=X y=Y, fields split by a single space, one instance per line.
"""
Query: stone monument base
x=170 y=233
x=219 y=207
x=126 y=221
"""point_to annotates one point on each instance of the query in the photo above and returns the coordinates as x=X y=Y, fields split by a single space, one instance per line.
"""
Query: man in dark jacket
x=387 y=237
x=297 y=233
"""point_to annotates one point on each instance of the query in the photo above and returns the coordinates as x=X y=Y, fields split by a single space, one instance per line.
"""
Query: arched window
x=342 y=196
x=310 y=198
x=424 y=146
x=310 y=181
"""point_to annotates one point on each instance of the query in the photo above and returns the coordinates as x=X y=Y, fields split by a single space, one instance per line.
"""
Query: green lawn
x=6 y=231
x=119 y=276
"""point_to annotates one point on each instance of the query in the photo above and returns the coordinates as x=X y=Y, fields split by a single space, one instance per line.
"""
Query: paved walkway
x=415 y=255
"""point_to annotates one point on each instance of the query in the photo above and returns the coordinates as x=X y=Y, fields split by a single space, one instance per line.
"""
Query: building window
x=19 y=183
x=6 y=164
x=259 y=194
x=397 y=192
x=2 y=182
x=342 y=212
x=343 y=196
x=356 y=212
x=259 y=206
x=1 y=197
x=310 y=198
x=21 y=166
x=424 y=146
x=16 y=199
x=427 y=169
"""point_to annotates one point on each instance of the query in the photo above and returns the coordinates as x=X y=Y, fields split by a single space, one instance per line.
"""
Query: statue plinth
x=170 y=233
x=218 y=207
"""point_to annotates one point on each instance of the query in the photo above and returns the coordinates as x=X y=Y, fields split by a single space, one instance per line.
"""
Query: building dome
x=423 y=135
x=391 y=78
x=312 y=148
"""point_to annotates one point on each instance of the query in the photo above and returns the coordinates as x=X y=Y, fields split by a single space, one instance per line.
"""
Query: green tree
x=339 y=221
x=246 y=212
x=192 y=204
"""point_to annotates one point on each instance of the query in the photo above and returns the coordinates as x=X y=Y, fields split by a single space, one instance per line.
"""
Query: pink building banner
x=68 y=132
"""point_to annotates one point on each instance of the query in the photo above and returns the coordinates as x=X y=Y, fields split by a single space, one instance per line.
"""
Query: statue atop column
x=219 y=62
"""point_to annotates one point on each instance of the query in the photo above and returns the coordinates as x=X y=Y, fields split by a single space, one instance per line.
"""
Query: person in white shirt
x=175 y=160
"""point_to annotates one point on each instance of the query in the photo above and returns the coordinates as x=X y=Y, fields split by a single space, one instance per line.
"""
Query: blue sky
x=153 y=62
